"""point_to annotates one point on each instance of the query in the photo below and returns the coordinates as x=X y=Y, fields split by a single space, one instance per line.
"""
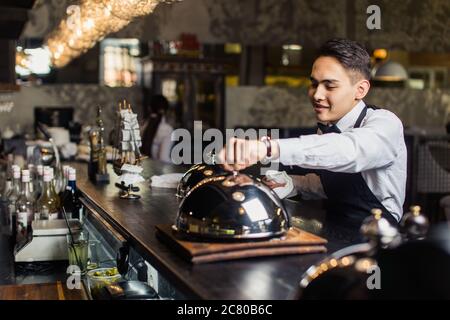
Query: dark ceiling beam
x=12 y=22
x=24 y=4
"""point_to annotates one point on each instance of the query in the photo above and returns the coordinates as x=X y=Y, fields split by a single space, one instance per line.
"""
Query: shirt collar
x=348 y=121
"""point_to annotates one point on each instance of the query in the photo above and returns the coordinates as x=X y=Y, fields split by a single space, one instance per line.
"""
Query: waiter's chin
x=323 y=114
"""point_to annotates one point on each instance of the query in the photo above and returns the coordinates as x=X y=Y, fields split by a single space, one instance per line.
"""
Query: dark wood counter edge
x=172 y=267
x=148 y=253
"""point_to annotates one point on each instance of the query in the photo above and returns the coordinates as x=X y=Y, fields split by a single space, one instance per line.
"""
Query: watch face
x=266 y=141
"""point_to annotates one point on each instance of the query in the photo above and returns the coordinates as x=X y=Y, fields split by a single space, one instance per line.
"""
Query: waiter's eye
x=314 y=84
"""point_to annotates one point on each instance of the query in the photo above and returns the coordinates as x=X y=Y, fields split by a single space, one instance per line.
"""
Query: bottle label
x=53 y=216
x=22 y=222
x=10 y=216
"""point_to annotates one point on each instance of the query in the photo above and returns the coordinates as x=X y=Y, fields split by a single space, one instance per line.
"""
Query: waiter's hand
x=272 y=184
x=239 y=154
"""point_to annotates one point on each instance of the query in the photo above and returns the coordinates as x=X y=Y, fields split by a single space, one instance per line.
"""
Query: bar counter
x=134 y=220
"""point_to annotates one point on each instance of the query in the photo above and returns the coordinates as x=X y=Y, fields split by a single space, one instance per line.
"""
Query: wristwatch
x=268 y=156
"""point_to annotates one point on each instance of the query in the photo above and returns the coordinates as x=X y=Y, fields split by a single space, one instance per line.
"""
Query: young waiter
x=358 y=154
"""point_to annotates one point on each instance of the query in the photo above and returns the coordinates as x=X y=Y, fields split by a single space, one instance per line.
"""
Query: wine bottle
x=6 y=189
x=25 y=207
x=65 y=180
x=39 y=181
x=72 y=204
x=12 y=197
x=47 y=204
x=53 y=188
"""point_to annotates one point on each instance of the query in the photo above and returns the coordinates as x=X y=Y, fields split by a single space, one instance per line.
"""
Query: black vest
x=349 y=198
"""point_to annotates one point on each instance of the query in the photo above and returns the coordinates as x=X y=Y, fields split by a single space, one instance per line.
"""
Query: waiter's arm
x=372 y=146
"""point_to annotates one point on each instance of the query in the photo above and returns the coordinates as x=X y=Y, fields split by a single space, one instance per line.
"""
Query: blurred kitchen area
x=229 y=64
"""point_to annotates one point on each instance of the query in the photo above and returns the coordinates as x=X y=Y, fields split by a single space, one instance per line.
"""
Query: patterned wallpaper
x=84 y=98
x=286 y=108
x=413 y=25
x=276 y=21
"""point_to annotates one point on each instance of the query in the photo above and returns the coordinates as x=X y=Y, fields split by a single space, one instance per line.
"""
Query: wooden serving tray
x=296 y=241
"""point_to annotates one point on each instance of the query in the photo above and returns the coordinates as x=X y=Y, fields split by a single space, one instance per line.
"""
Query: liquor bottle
x=72 y=204
x=53 y=188
x=63 y=192
x=47 y=204
x=32 y=172
x=12 y=197
x=25 y=207
x=6 y=189
x=7 y=184
x=39 y=180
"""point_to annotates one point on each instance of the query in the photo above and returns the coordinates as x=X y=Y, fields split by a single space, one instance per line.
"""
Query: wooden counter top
x=135 y=220
x=41 y=291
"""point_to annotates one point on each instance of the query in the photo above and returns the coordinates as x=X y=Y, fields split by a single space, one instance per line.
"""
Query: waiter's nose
x=319 y=93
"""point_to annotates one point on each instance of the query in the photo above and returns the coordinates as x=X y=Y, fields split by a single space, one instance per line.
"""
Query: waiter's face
x=333 y=91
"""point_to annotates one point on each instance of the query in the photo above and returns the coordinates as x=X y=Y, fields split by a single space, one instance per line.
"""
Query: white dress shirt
x=162 y=144
x=377 y=149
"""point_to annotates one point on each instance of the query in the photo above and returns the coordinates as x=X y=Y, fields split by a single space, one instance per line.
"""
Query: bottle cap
x=25 y=175
x=16 y=173
x=72 y=174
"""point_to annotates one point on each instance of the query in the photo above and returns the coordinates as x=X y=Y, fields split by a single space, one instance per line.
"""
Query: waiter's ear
x=362 y=88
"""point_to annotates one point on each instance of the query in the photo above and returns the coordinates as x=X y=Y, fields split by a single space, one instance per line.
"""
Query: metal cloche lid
x=414 y=224
x=195 y=174
x=231 y=207
x=379 y=230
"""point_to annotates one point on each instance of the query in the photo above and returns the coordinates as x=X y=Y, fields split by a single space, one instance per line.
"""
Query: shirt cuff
x=290 y=151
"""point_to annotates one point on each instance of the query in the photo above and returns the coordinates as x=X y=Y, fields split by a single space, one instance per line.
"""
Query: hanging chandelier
x=91 y=21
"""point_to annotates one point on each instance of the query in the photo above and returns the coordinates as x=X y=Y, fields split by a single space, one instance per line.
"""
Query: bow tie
x=328 y=129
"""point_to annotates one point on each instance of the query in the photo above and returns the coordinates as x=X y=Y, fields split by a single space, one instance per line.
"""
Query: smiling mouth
x=319 y=106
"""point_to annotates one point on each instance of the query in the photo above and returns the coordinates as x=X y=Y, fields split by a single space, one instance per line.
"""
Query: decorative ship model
x=127 y=156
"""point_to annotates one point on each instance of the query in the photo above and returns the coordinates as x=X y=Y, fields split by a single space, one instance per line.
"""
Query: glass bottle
x=53 y=188
x=72 y=204
x=12 y=197
x=8 y=178
x=7 y=183
x=47 y=204
x=63 y=190
x=39 y=180
x=25 y=207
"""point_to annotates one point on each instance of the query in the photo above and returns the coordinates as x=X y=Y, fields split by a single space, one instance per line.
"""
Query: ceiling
x=13 y=16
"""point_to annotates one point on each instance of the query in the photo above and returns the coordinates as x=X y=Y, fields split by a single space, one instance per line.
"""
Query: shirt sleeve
x=374 y=145
x=309 y=186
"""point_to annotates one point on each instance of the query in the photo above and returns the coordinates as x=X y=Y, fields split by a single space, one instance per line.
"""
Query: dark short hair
x=159 y=103
x=352 y=55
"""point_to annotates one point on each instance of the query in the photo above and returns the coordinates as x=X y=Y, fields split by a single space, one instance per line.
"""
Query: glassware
x=78 y=250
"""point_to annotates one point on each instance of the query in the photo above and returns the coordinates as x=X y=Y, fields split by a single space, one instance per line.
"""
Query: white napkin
x=281 y=177
x=169 y=180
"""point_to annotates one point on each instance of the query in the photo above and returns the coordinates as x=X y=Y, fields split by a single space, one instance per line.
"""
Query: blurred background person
x=156 y=131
